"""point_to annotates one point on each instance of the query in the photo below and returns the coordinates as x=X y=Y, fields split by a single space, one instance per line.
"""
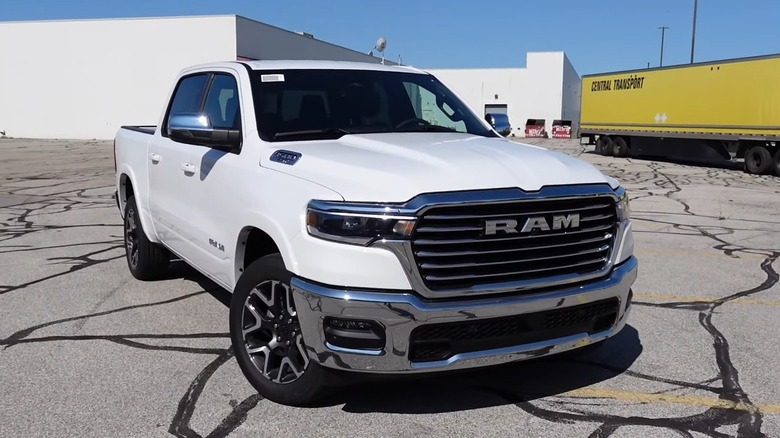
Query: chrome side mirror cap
x=197 y=129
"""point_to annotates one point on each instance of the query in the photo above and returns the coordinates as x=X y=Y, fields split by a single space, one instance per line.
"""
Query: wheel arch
x=255 y=242
x=125 y=191
x=126 y=186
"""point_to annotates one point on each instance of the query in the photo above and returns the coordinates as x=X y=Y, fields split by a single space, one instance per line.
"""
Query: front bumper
x=401 y=312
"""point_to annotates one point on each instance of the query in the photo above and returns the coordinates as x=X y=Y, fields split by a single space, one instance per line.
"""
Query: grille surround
x=421 y=204
x=451 y=251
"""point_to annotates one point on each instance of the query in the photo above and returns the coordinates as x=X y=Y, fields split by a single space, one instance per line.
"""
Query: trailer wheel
x=758 y=160
x=603 y=145
x=776 y=163
x=619 y=147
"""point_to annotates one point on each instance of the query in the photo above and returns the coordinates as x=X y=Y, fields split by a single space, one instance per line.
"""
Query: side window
x=188 y=95
x=222 y=103
x=425 y=107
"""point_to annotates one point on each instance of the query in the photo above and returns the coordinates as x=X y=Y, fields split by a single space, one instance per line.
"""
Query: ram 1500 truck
x=366 y=220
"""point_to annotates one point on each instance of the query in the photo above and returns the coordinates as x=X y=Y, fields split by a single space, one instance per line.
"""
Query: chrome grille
x=452 y=250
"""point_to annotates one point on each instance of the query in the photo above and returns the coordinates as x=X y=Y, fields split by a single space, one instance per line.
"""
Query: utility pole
x=693 y=35
x=663 y=35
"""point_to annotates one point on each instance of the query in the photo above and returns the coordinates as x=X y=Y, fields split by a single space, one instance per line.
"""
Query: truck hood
x=395 y=167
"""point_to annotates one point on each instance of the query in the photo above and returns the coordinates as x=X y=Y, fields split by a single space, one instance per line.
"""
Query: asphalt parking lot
x=86 y=350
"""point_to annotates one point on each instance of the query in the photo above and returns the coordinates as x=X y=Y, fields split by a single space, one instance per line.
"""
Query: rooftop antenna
x=380 y=46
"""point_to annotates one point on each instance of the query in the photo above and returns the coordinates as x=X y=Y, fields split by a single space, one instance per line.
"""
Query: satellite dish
x=381 y=44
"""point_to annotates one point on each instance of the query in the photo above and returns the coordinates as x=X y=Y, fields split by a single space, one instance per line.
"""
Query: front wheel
x=267 y=339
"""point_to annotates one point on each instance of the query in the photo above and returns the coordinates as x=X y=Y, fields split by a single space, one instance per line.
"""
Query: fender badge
x=285 y=157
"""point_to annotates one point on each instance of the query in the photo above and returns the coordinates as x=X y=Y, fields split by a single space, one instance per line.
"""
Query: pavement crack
x=18 y=336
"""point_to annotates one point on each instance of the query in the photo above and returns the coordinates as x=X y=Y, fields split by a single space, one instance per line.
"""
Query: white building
x=83 y=79
x=547 y=88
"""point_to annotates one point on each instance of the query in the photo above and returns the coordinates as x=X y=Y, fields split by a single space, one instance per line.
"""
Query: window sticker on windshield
x=272 y=78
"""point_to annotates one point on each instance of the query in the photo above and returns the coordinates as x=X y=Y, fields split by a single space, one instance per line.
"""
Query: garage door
x=495 y=109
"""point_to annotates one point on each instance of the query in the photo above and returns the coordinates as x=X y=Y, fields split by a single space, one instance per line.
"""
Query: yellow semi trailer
x=726 y=109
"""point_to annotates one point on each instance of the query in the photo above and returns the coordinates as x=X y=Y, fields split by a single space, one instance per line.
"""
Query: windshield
x=321 y=104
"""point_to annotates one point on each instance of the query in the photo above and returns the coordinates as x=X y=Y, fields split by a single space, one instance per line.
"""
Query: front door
x=210 y=204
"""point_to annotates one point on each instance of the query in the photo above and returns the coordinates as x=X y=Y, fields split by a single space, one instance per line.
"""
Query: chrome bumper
x=401 y=312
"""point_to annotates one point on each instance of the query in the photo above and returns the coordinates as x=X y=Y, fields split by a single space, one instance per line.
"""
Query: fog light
x=349 y=324
x=354 y=333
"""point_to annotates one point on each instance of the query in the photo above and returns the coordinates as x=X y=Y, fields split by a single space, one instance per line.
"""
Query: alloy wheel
x=131 y=237
x=272 y=333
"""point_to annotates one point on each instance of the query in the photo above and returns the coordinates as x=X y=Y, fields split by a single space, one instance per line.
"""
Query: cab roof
x=308 y=65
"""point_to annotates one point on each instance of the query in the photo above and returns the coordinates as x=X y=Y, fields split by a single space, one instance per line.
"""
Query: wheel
x=758 y=160
x=604 y=145
x=619 y=147
x=776 y=163
x=267 y=339
x=146 y=260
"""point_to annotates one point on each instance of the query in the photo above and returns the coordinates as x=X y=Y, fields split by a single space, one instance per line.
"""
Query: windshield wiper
x=330 y=132
x=428 y=128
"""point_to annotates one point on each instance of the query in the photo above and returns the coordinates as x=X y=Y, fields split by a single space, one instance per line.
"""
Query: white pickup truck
x=366 y=220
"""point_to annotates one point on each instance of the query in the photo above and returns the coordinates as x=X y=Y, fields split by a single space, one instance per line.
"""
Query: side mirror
x=489 y=119
x=196 y=129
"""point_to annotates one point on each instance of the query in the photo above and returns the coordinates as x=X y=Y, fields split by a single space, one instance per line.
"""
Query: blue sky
x=597 y=35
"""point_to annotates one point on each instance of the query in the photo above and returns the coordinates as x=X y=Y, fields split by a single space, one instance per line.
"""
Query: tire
x=145 y=259
x=604 y=145
x=758 y=160
x=286 y=375
x=619 y=147
x=776 y=163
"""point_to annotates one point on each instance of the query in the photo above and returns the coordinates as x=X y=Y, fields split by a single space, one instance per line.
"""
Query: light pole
x=693 y=35
x=663 y=35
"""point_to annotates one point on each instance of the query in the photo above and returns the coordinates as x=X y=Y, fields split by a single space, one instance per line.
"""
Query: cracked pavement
x=86 y=350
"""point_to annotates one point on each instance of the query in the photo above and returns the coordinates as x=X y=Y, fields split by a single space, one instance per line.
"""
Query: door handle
x=155 y=157
x=188 y=168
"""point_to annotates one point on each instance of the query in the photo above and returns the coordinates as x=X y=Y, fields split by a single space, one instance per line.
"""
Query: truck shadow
x=181 y=270
x=493 y=386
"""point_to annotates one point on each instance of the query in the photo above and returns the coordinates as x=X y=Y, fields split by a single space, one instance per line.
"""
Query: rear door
x=166 y=201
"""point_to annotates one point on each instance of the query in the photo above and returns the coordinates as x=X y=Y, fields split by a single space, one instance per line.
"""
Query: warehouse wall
x=479 y=87
x=572 y=92
x=256 y=40
x=541 y=90
x=543 y=87
x=84 y=79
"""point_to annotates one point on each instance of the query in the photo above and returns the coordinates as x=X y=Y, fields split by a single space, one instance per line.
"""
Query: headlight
x=626 y=241
x=355 y=223
x=623 y=206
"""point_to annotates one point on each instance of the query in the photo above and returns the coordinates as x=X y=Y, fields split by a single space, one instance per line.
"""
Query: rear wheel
x=145 y=259
x=604 y=145
x=758 y=160
x=776 y=162
x=267 y=339
x=619 y=147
